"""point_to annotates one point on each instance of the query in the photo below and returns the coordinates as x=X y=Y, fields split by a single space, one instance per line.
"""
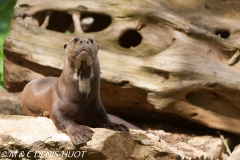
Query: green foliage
x=67 y=32
x=6 y=9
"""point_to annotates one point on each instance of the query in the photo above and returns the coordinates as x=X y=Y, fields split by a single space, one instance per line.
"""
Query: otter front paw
x=116 y=127
x=80 y=134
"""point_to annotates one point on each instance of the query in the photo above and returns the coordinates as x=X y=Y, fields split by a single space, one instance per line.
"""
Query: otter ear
x=98 y=47
x=65 y=46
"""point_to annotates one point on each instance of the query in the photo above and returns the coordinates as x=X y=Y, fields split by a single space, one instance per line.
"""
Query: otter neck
x=81 y=75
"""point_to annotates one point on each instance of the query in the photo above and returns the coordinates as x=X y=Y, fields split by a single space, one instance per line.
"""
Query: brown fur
x=72 y=100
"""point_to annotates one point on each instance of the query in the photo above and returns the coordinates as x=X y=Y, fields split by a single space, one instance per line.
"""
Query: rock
x=235 y=154
x=191 y=145
x=37 y=137
x=10 y=103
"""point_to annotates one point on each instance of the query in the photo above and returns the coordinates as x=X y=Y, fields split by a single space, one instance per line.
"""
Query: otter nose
x=85 y=42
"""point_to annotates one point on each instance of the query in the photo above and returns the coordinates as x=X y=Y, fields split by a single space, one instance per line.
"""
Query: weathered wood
x=175 y=60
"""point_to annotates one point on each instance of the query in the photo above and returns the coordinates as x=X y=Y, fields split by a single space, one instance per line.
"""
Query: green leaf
x=6 y=9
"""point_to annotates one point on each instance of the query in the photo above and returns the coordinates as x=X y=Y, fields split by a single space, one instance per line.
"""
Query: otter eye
x=91 y=40
x=75 y=40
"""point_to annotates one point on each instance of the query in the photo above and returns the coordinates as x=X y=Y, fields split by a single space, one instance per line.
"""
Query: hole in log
x=24 y=15
x=222 y=33
x=130 y=38
x=193 y=114
x=124 y=83
x=62 y=22
x=59 y=21
x=212 y=84
x=23 y=5
x=92 y=22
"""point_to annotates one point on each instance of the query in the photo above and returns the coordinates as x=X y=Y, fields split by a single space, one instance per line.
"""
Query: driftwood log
x=157 y=57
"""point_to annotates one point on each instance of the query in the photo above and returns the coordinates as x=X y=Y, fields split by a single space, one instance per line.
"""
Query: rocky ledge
x=23 y=137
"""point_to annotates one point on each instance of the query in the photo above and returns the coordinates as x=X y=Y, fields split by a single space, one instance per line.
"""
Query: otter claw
x=116 y=127
x=80 y=134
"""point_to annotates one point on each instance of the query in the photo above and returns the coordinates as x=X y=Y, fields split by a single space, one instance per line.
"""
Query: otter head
x=81 y=53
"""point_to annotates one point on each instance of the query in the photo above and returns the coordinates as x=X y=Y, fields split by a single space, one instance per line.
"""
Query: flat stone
x=37 y=137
